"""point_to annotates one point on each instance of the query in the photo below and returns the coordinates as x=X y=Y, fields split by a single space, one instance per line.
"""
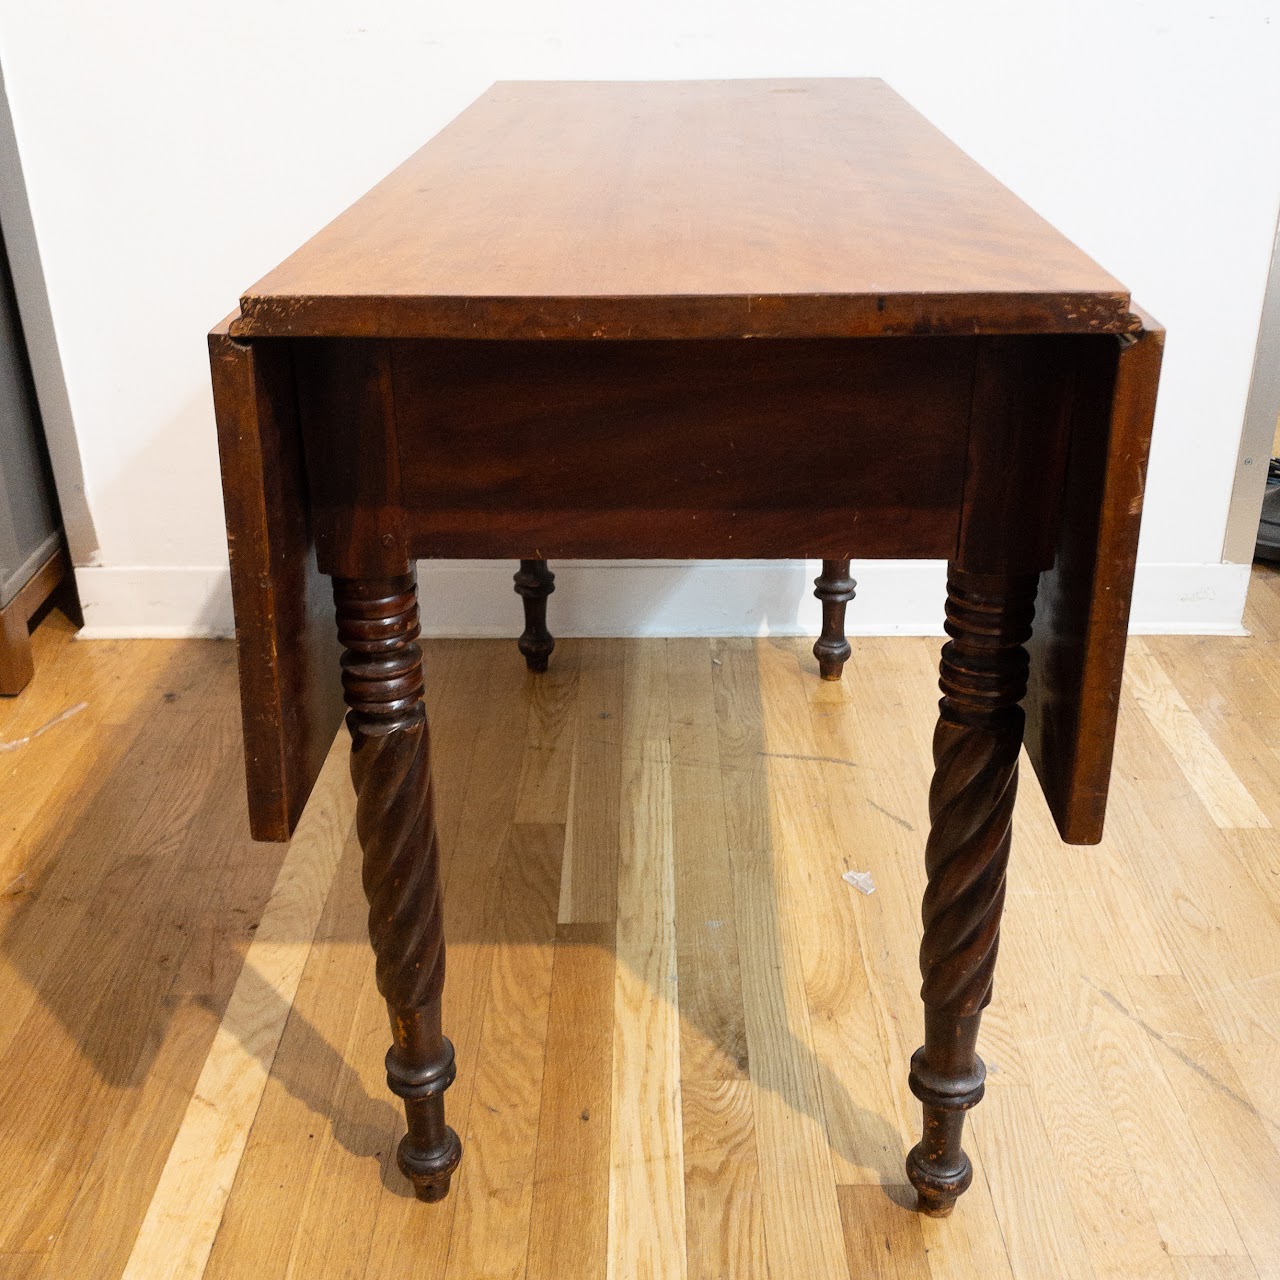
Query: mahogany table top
x=686 y=209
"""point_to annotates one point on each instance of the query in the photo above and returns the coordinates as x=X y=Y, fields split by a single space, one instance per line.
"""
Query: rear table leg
x=835 y=589
x=535 y=582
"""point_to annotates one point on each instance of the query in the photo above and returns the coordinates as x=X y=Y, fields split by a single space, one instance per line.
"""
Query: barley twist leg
x=390 y=766
x=975 y=752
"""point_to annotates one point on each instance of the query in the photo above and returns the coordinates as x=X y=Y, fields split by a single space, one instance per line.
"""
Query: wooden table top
x=686 y=209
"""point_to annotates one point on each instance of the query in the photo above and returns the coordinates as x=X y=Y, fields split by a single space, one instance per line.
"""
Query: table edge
x=826 y=315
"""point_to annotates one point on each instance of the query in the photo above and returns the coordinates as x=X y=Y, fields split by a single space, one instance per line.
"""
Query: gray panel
x=41 y=344
x=1259 y=427
x=28 y=515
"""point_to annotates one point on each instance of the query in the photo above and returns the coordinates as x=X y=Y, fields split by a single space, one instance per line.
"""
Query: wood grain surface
x=733 y=208
x=662 y=449
x=703 y=797
x=291 y=704
x=1082 y=607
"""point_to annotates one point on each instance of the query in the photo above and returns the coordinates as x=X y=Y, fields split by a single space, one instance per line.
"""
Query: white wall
x=174 y=152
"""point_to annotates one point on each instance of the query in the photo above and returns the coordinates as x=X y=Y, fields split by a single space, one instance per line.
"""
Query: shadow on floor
x=143 y=892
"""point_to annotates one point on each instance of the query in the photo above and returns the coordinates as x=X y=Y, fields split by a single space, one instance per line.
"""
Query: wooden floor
x=682 y=1039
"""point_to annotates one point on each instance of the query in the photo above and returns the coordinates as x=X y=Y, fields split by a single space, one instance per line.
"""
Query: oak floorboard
x=1219 y=929
x=1214 y=1268
x=646 y=1174
x=62 y=758
x=1117 y=1229
x=23 y=1266
x=569 y=1219
x=490 y=1236
x=183 y=1218
x=68 y=672
x=1056 y=950
x=1258 y=853
x=1150 y=1118
x=1235 y=1139
x=1235 y=695
x=1040 y=1229
x=882 y=1236
x=280 y=1150
x=99 y=944
x=796 y=1167
x=589 y=881
x=221 y=920
x=350 y=1156
x=1258 y=1068
x=845 y=1009
x=139 y=796
x=1202 y=763
x=724 y=1224
x=454 y=669
x=713 y=1037
x=547 y=766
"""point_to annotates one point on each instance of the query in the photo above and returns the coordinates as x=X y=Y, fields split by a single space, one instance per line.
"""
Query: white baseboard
x=1189 y=599
x=653 y=598
x=155 y=603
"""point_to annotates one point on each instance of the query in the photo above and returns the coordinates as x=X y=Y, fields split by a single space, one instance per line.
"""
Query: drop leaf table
x=736 y=319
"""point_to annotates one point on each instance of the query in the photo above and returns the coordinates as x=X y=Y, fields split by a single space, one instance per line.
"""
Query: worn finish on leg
x=395 y=820
x=535 y=582
x=835 y=589
x=975 y=752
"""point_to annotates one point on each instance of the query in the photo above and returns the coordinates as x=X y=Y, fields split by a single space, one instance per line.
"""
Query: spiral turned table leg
x=975 y=753
x=535 y=582
x=390 y=766
x=835 y=589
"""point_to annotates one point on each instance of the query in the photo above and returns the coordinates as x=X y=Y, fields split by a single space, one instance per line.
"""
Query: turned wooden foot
x=975 y=753
x=835 y=589
x=395 y=820
x=535 y=582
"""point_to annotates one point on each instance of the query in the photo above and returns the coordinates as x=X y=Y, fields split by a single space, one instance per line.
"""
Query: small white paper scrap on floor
x=861 y=880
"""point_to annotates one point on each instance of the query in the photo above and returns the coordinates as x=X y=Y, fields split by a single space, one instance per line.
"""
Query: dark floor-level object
x=1267 y=546
x=594 y=320
x=535 y=582
x=52 y=583
x=34 y=565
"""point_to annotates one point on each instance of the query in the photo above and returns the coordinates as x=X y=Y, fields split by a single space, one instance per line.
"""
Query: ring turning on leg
x=535 y=582
x=975 y=753
x=395 y=820
x=835 y=589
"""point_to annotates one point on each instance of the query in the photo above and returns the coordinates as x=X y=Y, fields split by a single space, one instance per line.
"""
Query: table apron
x=716 y=449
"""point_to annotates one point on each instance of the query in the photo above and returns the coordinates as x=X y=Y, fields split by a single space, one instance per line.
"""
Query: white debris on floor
x=44 y=728
x=861 y=880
